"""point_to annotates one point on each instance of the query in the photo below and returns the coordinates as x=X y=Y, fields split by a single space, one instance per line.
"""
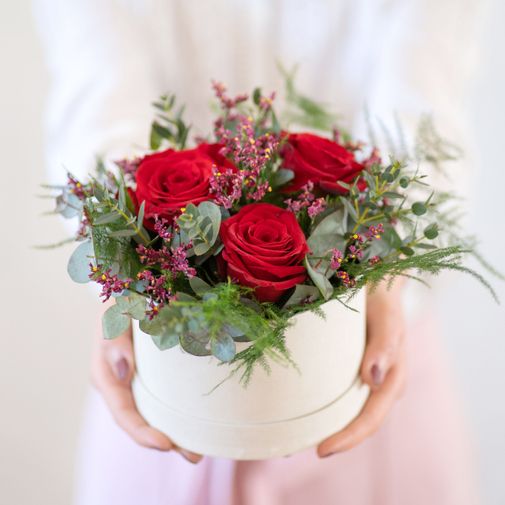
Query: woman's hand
x=383 y=368
x=112 y=369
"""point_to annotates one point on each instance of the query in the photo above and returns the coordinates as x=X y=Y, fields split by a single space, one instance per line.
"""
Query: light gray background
x=46 y=321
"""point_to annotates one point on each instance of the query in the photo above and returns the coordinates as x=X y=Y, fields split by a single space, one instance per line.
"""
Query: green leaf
x=302 y=293
x=154 y=139
x=212 y=211
x=195 y=343
x=122 y=195
x=419 y=208
x=201 y=224
x=122 y=233
x=404 y=182
x=408 y=251
x=319 y=279
x=223 y=347
x=256 y=95
x=282 y=176
x=140 y=216
x=431 y=231
x=166 y=341
x=68 y=205
x=184 y=297
x=78 y=264
x=133 y=304
x=426 y=246
x=164 y=328
x=109 y=217
x=199 y=286
x=328 y=234
x=236 y=333
x=114 y=322
x=350 y=208
x=392 y=194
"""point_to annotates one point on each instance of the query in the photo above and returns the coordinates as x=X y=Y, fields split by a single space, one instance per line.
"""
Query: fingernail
x=186 y=456
x=377 y=375
x=122 y=369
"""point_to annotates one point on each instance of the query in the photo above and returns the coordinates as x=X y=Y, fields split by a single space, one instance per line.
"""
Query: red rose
x=319 y=160
x=264 y=248
x=169 y=180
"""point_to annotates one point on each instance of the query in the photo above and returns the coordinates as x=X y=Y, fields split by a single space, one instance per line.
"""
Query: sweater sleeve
x=103 y=78
x=426 y=56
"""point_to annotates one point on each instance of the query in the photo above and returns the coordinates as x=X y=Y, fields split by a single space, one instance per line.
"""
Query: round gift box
x=277 y=414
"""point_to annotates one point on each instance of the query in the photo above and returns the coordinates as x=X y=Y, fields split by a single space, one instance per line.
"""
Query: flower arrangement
x=225 y=241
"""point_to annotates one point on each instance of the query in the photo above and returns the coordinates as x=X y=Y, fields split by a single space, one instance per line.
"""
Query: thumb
x=385 y=331
x=119 y=355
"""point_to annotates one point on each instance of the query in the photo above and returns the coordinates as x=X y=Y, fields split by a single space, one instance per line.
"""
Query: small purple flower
x=316 y=207
x=173 y=259
x=337 y=258
x=226 y=186
x=375 y=232
x=129 y=167
x=374 y=260
x=162 y=228
x=226 y=101
x=76 y=187
x=83 y=230
x=307 y=200
x=110 y=283
x=355 y=253
x=156 y=288
x=347 y=281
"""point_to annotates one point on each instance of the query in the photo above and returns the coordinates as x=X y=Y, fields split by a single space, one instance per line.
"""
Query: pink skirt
x=420 y=456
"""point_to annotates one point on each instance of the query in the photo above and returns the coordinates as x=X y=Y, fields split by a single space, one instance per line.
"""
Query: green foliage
x=132 y=304
x=216 y=320
x=169 y=125
x=114 y=322
x=326 y=235
x=209 y=317
x=301 y=295
x=302 y=110
x=319 y=279
x=200 y=225
x=68 y=205
x=78 y=264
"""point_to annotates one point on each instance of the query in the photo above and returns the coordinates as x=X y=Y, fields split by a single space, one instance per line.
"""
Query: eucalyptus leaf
x=133 y=304
x=184 y=297
x=408 y=251
x=164 y=327
x=319 y=279
x=78 y=264
x=140 y=216
x=431 y=231
x=122 y=233
x=212 y=211
x=404 y=182
x=196 y=344
x=114 y=322
x=234 y=332
x=419 y=208
x=282 y=177
x=165 y=341
x=68 y=205
x=223 y=347
x=350 y=209
x=199 y=286
x=107 y=218
x=302 y=293
x=328 y=234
